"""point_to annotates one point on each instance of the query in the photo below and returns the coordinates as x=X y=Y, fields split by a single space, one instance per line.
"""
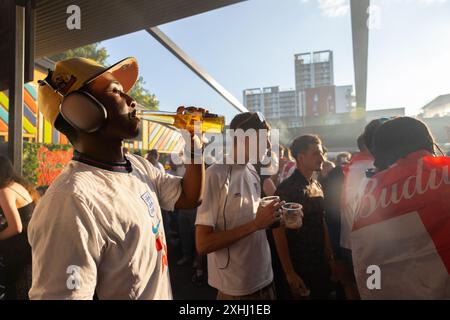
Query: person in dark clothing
x=16 y=207
x=281 y=286
x=332 y=188
x=306 y=253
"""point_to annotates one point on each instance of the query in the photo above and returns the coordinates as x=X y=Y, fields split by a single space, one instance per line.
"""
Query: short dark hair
x=7 y=173
x=399 y=137
x=301 y=144
x=248 y=120
x=65 y=128
x=361 y=144
x=369 y=132
x=342 y=155
x=153 y=153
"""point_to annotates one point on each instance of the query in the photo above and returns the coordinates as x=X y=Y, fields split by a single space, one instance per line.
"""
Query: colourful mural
x=35 y=128
x=155 y=136
x=29 y=112
x=51 y=163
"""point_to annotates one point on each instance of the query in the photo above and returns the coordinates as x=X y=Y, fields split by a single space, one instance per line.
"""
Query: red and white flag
x=354 y=183
x=402 y=226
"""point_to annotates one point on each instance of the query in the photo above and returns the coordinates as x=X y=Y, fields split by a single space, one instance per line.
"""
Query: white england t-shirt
x=245 y=267
x=101 y=231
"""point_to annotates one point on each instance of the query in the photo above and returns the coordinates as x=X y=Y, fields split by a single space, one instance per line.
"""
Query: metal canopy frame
x=162 y=38
x=15 y=114
x=360 y=34
x=101 y=20
x=106 y=19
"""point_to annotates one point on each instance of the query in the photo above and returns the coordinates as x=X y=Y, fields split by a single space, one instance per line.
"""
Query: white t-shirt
x=180 y=170
x=160 y=167
x=245 y=267
x=101 y=231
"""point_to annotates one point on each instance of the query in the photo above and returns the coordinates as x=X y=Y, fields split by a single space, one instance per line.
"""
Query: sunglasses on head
x=47 y=82
x=439 y=149
x=59 y=89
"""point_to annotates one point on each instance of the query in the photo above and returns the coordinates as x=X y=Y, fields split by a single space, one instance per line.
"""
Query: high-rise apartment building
x=313 y=70
x=273 y=102
x=315 y=94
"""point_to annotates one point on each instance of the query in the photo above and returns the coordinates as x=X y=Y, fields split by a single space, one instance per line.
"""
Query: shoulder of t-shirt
x=80 y=179
x=286 y=182
x=136 y=160
x=281 y=189
x=64 y=189
x=140 y=163
x=73 y=180
x=217 y=171
x=218 y=168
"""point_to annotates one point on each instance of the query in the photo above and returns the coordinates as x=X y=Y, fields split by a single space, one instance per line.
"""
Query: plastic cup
x=305 y=292
x=292 y=215
x=268 y=200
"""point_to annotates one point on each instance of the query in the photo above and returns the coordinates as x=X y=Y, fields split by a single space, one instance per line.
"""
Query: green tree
x=91 y=51
x=95 y=52
x=143 y=96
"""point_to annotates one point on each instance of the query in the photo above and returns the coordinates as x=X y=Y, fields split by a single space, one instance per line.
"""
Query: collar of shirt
x=300 y=178
x=124 y=166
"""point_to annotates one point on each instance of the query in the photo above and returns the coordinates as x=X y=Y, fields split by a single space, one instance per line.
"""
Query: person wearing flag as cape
x=400 y=237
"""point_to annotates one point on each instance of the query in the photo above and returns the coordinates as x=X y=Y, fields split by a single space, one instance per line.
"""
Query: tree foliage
x=143 y=96
x=91 y=51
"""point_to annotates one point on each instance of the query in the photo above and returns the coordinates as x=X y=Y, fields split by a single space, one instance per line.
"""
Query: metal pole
x=183 y=57
x=360 y=33
x=15 y=127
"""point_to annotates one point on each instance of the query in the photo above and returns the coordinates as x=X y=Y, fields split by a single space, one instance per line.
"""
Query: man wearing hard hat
x=98 y=230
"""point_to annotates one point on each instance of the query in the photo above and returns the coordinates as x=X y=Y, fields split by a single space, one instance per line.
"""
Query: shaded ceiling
x=105 y=19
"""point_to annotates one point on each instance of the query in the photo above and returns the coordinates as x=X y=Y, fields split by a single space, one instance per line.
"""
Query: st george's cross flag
x=354 y=182
x=402 y=226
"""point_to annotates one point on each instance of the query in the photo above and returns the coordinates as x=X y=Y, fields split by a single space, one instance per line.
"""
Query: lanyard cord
x=227 y=181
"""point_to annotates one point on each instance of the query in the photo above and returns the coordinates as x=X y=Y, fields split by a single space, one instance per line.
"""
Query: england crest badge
x=149 y=202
